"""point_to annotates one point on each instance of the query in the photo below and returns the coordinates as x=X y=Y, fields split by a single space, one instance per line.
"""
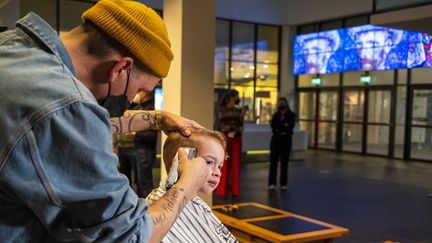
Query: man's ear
x=120 y=68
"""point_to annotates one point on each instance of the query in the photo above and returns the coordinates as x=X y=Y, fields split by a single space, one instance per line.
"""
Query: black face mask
x=116 y=105
x=282 y=107
x=237 y=101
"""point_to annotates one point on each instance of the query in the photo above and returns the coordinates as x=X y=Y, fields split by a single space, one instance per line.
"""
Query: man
x=374 y=45
x=317 y=50
x=58 y=176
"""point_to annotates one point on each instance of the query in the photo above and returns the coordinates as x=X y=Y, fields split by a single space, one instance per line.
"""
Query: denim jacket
x=58 y=176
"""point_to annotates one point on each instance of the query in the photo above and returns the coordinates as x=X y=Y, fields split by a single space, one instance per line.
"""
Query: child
x=196 y=222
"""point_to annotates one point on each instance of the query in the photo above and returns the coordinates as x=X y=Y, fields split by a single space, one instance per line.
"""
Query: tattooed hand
x=193 y=173
x=173 y=123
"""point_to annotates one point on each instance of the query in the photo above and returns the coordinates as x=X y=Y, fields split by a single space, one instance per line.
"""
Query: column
x=188 y=89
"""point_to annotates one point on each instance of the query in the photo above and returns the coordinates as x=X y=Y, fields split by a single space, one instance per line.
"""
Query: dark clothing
x=140 y=156
x=140 y=160
x=280 y=146
x=285 y=125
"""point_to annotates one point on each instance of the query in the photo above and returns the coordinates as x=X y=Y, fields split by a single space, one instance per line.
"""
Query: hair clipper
x=173 y=173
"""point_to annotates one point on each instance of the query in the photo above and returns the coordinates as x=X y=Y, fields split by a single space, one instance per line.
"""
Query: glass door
x=353 y=120
x=421 y=124
x=378 y=121
x=327 y=118
x=366 y=120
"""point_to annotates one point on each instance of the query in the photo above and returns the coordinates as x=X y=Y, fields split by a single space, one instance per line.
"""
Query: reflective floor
x=376 y=198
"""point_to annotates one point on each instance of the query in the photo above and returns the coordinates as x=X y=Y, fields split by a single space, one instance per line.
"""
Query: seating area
x=254 y=222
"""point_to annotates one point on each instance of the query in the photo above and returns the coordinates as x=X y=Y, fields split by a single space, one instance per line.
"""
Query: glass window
x=242 y=68
x=379 y=106
x=327 y=135
x=352 y=137
x=421 y=144
x=354 y=106
x=421 y=76
x=267 y=56
x=265 y=104
x=268 y=44
x=246 y=93
x=257 y=84
x=309 y=127
x=328 y=105
x=267 y=75
x=422 y=107
x=377 y=139
x=221 y=52
x=307 y=105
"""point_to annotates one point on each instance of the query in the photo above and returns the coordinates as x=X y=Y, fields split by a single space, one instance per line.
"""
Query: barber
x=58 y=176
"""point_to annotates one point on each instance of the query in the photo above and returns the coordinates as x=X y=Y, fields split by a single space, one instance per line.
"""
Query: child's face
x=213 y=153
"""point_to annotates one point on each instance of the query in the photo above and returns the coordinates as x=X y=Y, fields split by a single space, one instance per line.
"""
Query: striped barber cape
x=196 y=222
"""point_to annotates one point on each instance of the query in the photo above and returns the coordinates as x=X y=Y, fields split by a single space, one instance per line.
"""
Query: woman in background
x=231 y=124
x=282 y=125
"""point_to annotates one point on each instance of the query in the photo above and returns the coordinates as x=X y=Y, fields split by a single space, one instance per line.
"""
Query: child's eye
x=219 y=167
x=210 y=162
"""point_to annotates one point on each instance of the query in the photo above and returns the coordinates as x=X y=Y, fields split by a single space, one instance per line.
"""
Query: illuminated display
x=361 y=48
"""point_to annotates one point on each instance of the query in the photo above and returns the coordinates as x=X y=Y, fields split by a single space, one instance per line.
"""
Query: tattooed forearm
x=136 y=118
x=146 y=116
x=133 y=121
x=168 y=205
x=116 y=125
x=159 y=219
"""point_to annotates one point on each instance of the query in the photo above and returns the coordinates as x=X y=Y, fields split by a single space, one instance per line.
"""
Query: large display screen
x=361 y=48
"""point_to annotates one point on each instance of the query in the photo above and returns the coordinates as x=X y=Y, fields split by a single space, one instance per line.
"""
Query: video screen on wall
x=361 y=48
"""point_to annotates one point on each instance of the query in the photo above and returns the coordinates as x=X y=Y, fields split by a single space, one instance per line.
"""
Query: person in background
x=231 y=123
x=282 y=124
x=137 y=150
x=59 y=180
x=196 y=223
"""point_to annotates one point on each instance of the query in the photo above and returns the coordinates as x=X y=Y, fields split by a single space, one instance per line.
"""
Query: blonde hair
x=175 y=140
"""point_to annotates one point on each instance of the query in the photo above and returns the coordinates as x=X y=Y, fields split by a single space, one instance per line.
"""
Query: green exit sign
x=365 y=79
x=316 y=81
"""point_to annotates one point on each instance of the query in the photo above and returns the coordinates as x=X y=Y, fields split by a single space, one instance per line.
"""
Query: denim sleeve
x=68 y=177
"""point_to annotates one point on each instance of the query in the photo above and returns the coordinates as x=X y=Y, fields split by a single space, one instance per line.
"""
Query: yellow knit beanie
x=138 y=28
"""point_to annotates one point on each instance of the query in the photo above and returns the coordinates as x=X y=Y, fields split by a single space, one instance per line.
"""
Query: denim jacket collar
x=45 y=36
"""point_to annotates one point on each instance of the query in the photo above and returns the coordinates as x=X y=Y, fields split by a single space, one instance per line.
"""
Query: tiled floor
x=376 y=198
